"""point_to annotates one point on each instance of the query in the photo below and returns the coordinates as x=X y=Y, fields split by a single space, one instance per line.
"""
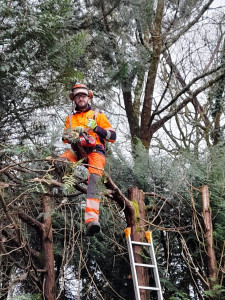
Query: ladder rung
x=140 y=243
x=148 y=288
x=144 y=265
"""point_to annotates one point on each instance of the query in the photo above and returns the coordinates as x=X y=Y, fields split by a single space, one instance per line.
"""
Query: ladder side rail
x=155 y=270
x=133 y=268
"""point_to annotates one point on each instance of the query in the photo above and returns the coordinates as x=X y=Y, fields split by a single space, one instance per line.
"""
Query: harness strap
x=95 y=114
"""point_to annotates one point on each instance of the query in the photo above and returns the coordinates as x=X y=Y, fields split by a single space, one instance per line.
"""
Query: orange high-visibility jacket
x=102 y=133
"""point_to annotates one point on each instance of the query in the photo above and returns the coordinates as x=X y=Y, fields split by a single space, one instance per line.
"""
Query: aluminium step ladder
x=137 y=287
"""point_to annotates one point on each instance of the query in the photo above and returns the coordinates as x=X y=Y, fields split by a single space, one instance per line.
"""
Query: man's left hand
x=91 y=124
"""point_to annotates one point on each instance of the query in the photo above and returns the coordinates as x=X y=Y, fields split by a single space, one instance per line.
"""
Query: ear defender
x=91 y=94
x=71 y=96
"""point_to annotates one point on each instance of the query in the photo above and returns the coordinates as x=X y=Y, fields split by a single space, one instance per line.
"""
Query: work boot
x=92 y=228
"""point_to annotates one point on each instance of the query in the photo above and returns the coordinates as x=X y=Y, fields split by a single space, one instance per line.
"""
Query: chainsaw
x=81 y=143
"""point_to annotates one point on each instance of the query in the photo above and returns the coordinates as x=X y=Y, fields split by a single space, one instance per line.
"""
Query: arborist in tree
x=87 y=131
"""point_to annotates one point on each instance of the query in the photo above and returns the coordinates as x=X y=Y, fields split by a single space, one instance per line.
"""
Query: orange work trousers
x=96 y=164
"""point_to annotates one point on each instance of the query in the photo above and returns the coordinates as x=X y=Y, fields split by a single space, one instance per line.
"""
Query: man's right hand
x=72 y=135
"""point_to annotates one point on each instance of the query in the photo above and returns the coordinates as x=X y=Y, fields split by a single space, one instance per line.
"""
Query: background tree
x=156 y=58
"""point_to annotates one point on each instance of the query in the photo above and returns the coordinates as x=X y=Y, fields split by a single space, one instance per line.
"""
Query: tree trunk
x=209 y=234
x=48 y=252
x=138 y=234
x=156 y=33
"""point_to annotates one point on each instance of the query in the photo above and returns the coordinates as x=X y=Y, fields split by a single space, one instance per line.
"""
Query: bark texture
x=48 y=251
x=206 y=211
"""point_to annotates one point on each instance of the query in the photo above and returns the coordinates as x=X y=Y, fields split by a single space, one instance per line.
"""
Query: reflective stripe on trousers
x=91 y=210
